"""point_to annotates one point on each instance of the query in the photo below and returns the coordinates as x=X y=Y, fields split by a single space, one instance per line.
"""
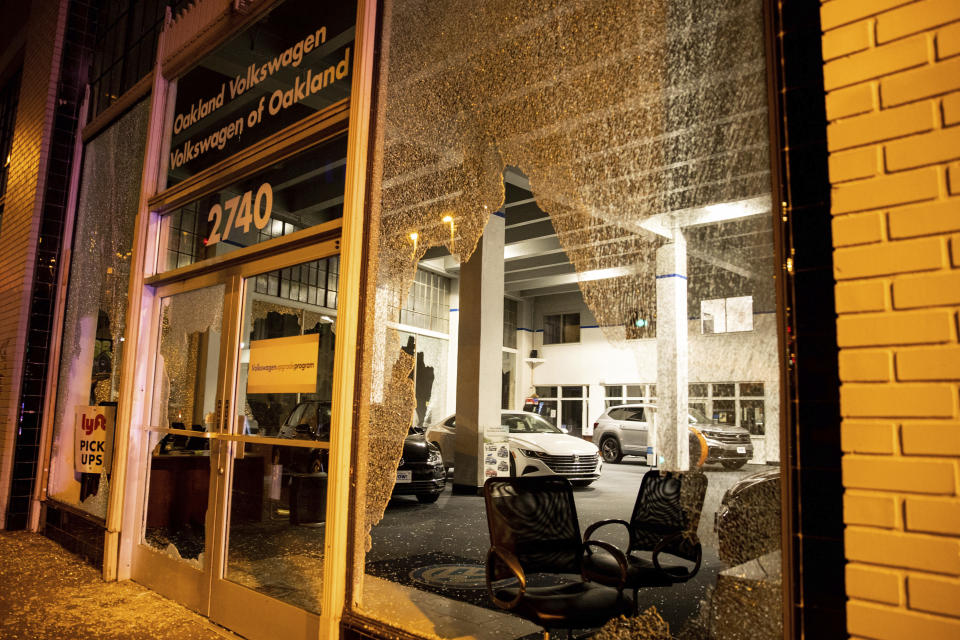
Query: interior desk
x=180 y=489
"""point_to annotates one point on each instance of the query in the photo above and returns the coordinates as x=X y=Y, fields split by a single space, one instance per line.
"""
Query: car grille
x=571 y=465
x=423 y=470
x=418 y=486
x=730 y=438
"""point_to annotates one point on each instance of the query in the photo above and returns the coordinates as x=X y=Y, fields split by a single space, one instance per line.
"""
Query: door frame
x=189 y=585
x=206 y=590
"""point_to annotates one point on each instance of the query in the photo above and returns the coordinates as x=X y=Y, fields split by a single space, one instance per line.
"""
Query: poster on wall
x=496 y=459
x=496 y=451
x=93 y=444
x=284 y=365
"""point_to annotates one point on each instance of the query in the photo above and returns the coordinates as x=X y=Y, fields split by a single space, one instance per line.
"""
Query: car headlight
x=711 y=438
x=434 y=456
x=531 y=453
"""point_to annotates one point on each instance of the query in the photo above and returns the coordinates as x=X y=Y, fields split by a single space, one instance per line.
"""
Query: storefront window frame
x=296 y=139
x=346 y=233
x=355 y=621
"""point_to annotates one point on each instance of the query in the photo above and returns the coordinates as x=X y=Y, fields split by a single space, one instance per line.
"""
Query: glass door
x=272 y=578
x=184 y=458
x=237 y=449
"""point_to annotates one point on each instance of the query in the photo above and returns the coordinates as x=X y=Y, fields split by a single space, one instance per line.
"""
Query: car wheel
x=427 y=498
x=732 y=465
x=611 y=451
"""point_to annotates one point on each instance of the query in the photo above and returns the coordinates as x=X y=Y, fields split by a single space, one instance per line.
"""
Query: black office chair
x=664 y=548
x=534 y=530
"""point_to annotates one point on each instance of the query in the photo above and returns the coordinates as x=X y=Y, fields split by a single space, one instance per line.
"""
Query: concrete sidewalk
x=46 y=592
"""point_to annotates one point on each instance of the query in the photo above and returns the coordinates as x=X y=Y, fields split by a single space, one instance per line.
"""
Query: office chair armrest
x=659 y=549
x=513 y=565
x=602 y=523
x=617 y=555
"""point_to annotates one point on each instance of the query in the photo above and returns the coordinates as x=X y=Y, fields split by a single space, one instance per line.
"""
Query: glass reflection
x=278 y=492
x=278 y=504
x=606 y=167
x=292 y=195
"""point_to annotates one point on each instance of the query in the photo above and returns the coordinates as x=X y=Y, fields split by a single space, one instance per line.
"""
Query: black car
x=421 y=472
x=309 y=420
x=748 y=520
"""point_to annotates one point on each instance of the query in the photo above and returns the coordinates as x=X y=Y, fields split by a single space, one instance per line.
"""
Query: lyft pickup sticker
x=93 y=444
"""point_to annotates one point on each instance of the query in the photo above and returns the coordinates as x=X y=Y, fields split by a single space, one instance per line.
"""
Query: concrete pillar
x=453 y=333
x=524 y=346
x=479 y=357
x=670 y=438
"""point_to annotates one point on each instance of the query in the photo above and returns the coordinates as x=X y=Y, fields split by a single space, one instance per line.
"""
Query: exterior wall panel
x=893 y=83
x=21 y=219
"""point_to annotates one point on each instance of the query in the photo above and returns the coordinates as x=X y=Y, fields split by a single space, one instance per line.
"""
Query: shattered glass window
x=95 y=315
x=185 y=408
x=606 y=165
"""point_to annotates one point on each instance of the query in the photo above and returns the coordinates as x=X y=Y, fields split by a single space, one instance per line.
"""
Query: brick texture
x=886 y=473
x=868 y=437
x=29 y=157
x=857 y=365
x=859 y=98
x=892 y=623
x=930 y=437
x=862 y=295
x=892 y=81
x=870 y=509
x=934 y=516
x=871 y=583
x=934 y=594
x=889 y=257
x=951 y=109
x=934 y=218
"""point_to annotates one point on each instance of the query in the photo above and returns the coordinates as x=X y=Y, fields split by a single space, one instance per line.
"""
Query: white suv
x=622 y=431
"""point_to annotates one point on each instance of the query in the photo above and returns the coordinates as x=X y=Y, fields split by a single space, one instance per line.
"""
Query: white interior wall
x=749 y=356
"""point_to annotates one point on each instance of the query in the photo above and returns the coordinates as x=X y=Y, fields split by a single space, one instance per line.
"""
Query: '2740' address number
x=241 y=212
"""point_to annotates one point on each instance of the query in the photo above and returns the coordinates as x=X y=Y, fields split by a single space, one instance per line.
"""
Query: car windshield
x=297 y=414
x=528 y=423
x=316 y=415
x=697 y=417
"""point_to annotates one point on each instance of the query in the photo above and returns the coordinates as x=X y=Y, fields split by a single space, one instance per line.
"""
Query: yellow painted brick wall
x=892 y=80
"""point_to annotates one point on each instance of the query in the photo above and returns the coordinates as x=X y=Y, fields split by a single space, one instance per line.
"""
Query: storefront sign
x=239 y=212
x=93 y=443
x=284 y=365
x=293 y=62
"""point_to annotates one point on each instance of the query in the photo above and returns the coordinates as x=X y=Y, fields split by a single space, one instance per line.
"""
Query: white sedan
x=536 y=448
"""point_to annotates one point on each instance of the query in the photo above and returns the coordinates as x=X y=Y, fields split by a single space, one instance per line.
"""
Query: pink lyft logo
x=90 y=425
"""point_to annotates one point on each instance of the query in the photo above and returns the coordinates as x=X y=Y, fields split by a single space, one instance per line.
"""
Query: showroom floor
x=441 y=547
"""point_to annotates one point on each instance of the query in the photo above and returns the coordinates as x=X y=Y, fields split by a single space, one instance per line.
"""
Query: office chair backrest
x=668 y=504
x=535 y=519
